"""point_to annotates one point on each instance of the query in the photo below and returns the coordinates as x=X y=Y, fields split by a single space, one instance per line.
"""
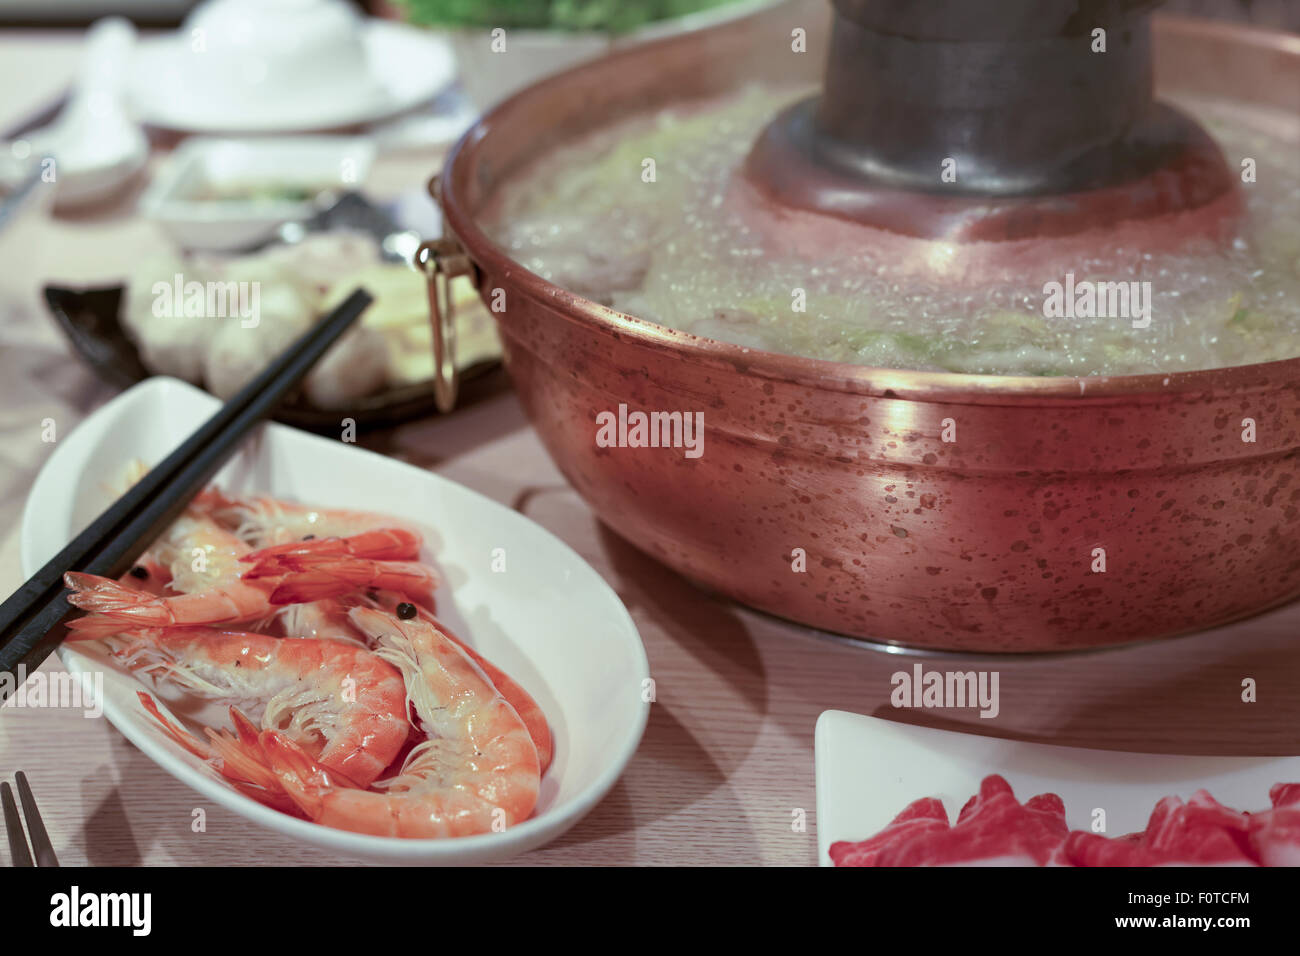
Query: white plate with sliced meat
x=869 y=771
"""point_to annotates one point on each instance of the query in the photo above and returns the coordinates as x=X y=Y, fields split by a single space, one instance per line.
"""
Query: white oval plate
x=550 y=621
x=410 y=65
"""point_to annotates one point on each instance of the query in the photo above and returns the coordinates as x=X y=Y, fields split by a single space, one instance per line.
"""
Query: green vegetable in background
x=612 y=16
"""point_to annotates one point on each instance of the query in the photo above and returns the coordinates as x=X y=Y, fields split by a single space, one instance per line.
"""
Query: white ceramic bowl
x=549 y=620
x=284 y=66
x=263 y=48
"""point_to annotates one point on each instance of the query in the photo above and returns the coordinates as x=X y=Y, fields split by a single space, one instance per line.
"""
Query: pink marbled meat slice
x=920 y=817
x=1201 y=832
x=992 y=829
x=1275 y=833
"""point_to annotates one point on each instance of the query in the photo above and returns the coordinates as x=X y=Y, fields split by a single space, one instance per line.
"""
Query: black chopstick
x=30 y=618
x=49 y=579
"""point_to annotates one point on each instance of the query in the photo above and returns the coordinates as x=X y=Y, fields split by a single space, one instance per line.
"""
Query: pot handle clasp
x=442 y=260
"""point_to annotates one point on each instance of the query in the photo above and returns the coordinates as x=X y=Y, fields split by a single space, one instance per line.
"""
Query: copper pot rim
x=449 y=190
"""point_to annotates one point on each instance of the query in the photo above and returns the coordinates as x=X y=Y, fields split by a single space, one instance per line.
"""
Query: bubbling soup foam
x=637 y=217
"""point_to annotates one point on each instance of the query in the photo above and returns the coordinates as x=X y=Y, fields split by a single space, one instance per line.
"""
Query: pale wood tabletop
x=728 y=753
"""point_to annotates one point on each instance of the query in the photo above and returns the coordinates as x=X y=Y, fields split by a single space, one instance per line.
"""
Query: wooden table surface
x=727 y=755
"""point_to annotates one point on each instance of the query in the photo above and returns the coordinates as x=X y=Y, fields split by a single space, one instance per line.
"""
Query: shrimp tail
x=231 y=602
x=90 y=592
x=277 y=800
x=93 y=627
x=241 y=755
x=264 y=788
x=304 y=780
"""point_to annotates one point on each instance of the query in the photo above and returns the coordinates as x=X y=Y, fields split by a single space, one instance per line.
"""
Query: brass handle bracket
x=442 y=260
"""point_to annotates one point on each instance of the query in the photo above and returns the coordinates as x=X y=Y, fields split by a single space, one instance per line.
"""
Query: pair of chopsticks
x=19 y=854
x=31 y=619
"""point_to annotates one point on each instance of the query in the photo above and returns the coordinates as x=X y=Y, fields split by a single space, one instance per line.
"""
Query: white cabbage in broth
x=675 y=252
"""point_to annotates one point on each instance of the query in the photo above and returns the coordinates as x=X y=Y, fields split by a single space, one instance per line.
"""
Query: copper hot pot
x=991 y=543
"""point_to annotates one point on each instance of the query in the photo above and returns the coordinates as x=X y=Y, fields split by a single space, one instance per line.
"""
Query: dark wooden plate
x=90 y=319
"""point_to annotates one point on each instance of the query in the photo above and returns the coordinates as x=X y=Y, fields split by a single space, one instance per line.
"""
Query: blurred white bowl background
x=281 y=66
x=488 y=76
x=186 y=197
x=26 y=196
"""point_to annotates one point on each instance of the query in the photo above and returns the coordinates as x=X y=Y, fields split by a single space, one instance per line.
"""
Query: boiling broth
x=673 y=249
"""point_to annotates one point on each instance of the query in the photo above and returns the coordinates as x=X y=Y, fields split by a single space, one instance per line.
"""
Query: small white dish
x=205 y=164
x=869 y=769
x=275 y=66
x=550 y=621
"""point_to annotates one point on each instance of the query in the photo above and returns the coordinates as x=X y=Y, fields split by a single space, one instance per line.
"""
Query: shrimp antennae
x=177 y=733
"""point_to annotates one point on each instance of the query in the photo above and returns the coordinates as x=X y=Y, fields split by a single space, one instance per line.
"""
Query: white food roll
x=242 y=347
x=356 y=366
x=171 y=332
x=275 y=276
x=400 y=314
x=315 y=262
x=399 y=301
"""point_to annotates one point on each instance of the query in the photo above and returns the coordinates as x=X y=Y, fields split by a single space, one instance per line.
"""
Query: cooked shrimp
x=323 y=620
x=382 y=544
x=236 y=756
x=208 y=565
x=529 y=712
x=476 y=772
x=328 y=619
x=310 y=577
x=343 y=705
x=199 y=553
x=148 y=574
x=115 y=605
x=263 y=521
x=203 y=559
